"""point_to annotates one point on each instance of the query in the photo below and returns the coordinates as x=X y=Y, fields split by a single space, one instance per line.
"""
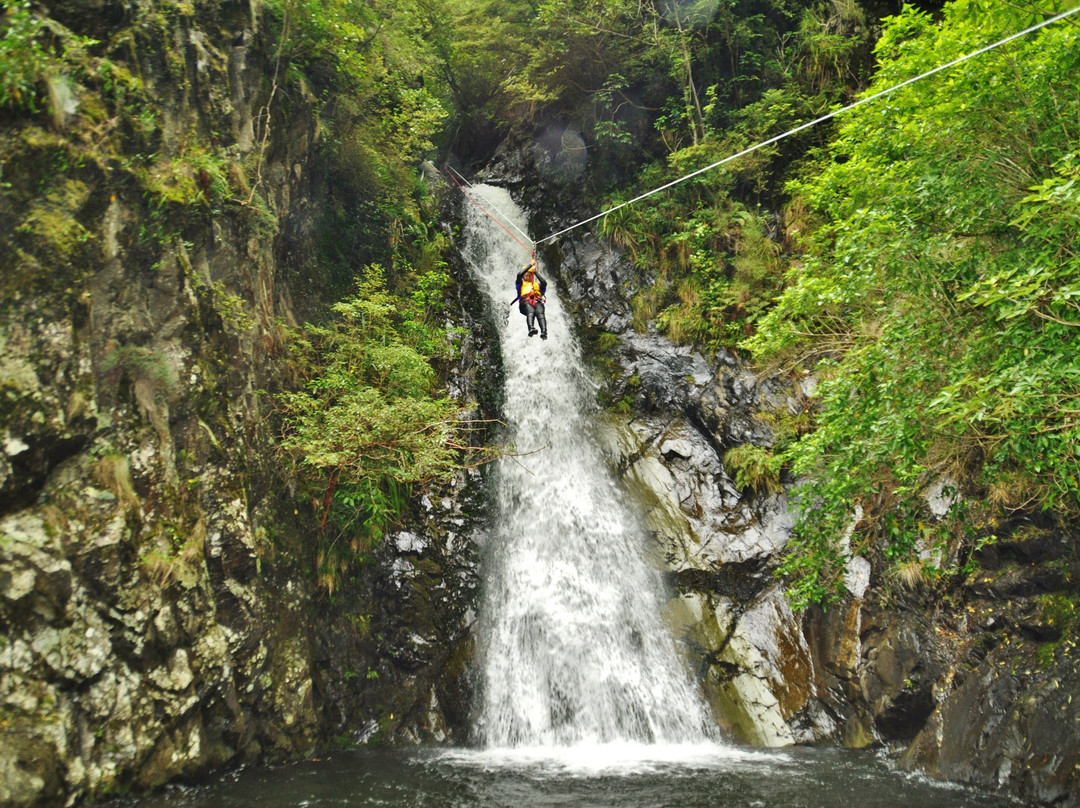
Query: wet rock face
x=157 y=615
x=887 y=665
x=1005 y=712
x=1002 y=729
x=425 y=600
x=396 y=668
x=146 y=632
x=701 y=519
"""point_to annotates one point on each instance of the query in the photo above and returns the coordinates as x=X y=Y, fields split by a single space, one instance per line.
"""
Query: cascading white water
x=574 y=650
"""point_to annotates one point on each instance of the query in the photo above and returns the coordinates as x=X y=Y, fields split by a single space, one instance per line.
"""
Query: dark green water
x=677 y=777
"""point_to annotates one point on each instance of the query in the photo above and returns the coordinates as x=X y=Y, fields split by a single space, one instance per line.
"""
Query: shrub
x=753 y=468
x=369 y=423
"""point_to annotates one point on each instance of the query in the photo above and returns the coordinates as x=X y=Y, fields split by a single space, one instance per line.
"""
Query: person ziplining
x=531 y=288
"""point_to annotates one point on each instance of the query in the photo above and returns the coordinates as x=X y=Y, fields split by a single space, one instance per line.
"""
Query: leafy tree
x=939 y=295
x=365 y=62
x=719 y=77
x=481 y=47
x=370 y=422
x=23 y=59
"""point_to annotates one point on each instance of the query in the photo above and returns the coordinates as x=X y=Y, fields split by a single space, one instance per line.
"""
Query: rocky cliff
x=158 y=615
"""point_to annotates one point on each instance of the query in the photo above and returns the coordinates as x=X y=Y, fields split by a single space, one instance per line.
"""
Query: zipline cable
x=450 y=172
x=489 y=203
x=814 y=122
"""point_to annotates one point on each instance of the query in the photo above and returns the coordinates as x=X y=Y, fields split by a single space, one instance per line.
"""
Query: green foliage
x=197 y=176
x=728 y=85
x=1061 y=613
x=715 y=269
x=369 y=423
x=23 y=59
x=481 y=47
x=940 y=295
x=829 y=41
x=754 y=468
x=366 y=63
x=141 y=364
x=26 y=63
x=232 y=308
x=372 y=57
x=124 y=96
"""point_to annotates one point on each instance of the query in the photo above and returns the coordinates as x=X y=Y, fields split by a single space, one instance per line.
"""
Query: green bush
x=23 y=59
x=26 y=64
x=753 y=468
x=370 y=422
x=940 y=296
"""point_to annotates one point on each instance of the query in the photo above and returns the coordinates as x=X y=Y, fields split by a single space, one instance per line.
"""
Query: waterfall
x=573 y=647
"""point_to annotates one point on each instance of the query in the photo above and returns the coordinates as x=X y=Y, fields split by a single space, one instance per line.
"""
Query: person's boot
x=532 y=332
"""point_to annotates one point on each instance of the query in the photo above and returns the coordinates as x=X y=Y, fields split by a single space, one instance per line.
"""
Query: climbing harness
x=814 y=122
x=451 y=173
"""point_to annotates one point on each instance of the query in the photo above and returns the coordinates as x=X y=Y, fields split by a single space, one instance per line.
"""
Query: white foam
x=618 y=759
